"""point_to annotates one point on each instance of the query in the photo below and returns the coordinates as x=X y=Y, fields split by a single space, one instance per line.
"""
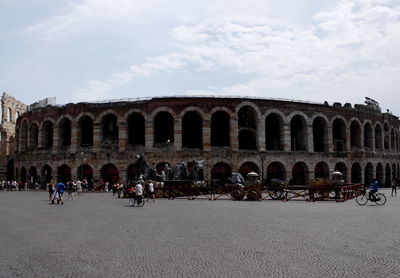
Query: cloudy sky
x=88 y=50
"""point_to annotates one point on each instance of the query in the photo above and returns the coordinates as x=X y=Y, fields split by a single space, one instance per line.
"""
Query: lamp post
x=263 y=155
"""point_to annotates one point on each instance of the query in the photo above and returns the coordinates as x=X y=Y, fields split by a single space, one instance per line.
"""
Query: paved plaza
x=98 y=235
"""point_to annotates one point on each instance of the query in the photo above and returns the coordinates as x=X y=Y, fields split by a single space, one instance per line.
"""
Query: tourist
x=394 y=187
x=60 y=191
x=151 y=192
x=79 y=187
x=70 y=189
x=139 y=192
x=51 y=190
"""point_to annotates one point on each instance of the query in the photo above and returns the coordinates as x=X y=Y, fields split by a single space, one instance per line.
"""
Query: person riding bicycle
x=139 y=192
x=374 y=188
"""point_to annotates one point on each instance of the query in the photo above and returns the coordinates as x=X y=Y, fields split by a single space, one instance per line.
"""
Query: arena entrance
x=10 y=170
x=85 y=172
x=248 y=167
x=109 y=173
x=299 y=174
x=220 y=173
x=64 y=174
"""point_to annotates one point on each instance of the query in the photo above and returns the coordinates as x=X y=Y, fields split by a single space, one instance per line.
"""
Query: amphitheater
x=290 y=140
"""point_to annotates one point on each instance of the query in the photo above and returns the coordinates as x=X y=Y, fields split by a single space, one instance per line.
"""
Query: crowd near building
x=289 y=140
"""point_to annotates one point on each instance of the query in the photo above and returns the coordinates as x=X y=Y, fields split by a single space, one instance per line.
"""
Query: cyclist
x=139 y=192
x=374 y=188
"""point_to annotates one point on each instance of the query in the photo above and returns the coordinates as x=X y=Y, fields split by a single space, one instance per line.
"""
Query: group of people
x=56 y=191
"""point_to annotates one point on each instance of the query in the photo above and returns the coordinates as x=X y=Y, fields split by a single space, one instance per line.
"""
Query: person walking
x=151 y=192
x=70 y=189
x=394 y=188
x=60 y=191
x=51 y=191
x=79 y=187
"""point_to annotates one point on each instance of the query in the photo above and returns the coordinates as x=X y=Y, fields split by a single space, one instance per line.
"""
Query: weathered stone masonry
x=295 y=141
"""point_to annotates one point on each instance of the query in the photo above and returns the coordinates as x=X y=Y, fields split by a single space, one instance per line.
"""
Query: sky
x=309 y=50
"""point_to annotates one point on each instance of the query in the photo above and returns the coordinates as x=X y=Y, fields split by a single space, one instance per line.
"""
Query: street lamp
x=263 y=155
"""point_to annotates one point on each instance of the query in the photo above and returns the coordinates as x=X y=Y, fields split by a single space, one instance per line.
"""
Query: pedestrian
x=51 y=191
x=79 y=187
x=60 y=191
x=151 y=192
x=70 y=189
x=394 y=187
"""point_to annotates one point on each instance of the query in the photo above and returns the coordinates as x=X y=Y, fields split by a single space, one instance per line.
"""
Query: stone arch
x=192 y=130
x=274 y=132
x=300 y=174
x=46 y=173
x=320 y=134
x=65 y=131
x=276 y=170
x=24 y=135
x=355 y=134
x=63 y=173
x=23 y=174
x=163 y=126
x=392 y=140
x=339 y=127
x=33 y=136
x=356 y=175
x=248 y=167
x=342 y=167
x=33 y=175
x=47 y=133
x=220 y=129
x=386 y=137
x=322 y=170
x=248 y=127
x=368 y=174
x=203 y=115
x=109 y=173
x=10 y=169
x=85 y=171
x=110 y=130
x=255 y=108
x=221 y=171
x=298 y=133
x=388 y=175
x=368 y=136
x=378 y=137
x=379 y=173
x=136 y=129
x=85 y=130
x=131 y=173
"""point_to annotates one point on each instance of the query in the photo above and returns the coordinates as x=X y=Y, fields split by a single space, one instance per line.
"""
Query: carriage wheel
x=237 y=194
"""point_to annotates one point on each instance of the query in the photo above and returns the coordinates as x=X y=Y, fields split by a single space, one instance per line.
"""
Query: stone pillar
x=347 y=143
x=234 y=134
x=373 y=140
x=56 y=139
x=149 y=135
x=362 y=174
x=286 y=137
x=261 y=135
x=329 y=140
x=310 y=138
x=122 y=136
x=206 y=134
x=40 y=138
x=177 y=134
x=74 y=137
x=97 y=136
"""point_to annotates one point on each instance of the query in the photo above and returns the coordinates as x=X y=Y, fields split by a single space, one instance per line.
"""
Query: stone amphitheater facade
x=290 y=140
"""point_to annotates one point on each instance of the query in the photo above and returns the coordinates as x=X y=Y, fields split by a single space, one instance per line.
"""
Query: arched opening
x=368 y=142
x=23 y=174
x=394 y=172
x=276 y=170
x=24 y=136
x=320 y=131
x=247 y=128
x=110 y=174
x=85 y=172
x=10 y=170
x=379 y=174
x=33 y=176
x=356 y=173
x=136 y=129
x=247 y=140
x=163 y=129
x=355 y=135
x=131 y=173
x=110 y=131
x=342 y=168
x=378 y=137
x=64 y=174
x=388 y=176
x=221 y=172
x=274 y=132
x=386 y=137
x=322 y=171
x=46 y=175
x=220 y=128
x=86 y=131
x=339 y=135
x=65 y=132
x=248 y=167
x=192 y=130
x=33 y=136
x=298 y=134
x=9 y=113
x=47 y=135
x=368 y=174
x=300 y=174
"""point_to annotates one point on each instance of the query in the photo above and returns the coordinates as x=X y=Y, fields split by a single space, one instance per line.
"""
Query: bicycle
x=137 y=201
x=378 y=198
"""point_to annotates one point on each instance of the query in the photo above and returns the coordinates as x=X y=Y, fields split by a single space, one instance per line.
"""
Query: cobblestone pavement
x=97 y=235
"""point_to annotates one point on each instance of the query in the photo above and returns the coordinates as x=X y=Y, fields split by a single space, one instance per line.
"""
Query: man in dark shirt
x=60 y=190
